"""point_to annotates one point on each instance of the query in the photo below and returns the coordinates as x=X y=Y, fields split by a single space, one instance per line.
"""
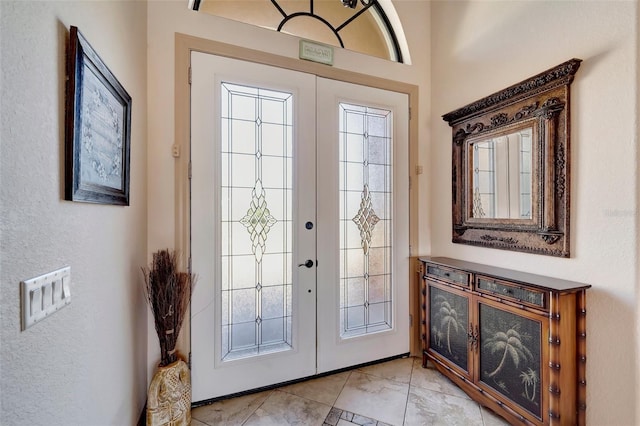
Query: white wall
x=165 y=18
x=86 y=364
x=481 y=47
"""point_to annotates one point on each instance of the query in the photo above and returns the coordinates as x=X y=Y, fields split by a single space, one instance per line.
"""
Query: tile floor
x=398 y=392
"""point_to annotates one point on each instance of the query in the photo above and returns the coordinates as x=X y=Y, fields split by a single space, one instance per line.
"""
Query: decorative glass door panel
x=253 y=319
x=256 y=219
x=365 y=158
x=298 y=274
x=363 y=246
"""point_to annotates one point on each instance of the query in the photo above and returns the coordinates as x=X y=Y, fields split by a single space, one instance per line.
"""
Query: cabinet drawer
x=452 y=276
x=508 y=290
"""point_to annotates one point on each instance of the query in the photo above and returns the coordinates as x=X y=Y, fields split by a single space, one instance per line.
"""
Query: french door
x=299 y=225
x=363 y=224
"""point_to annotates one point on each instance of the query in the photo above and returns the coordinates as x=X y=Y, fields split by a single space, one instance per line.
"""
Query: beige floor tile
x=430 y=378
x=492 y=419
x=427 y=407
x=231 y=411
x=398 y=370
x=324 y=390
x=283 y=408
x=382 y=392
x=370 y=396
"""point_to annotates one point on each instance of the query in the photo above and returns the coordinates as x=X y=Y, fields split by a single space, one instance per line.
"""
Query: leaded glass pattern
x=364 y=28
x=256 y=220
x=365 y=192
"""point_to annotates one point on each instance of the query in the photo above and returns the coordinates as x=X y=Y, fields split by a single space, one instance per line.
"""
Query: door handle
x=308 y=263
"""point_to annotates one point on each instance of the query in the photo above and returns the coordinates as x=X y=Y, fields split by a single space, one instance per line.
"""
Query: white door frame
x=184 y=45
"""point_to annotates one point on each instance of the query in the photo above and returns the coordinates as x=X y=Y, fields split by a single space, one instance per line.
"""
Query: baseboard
x=142 y=420
x=291 y=382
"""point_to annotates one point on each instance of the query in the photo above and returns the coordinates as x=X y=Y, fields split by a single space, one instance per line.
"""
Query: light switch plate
x=44 y=295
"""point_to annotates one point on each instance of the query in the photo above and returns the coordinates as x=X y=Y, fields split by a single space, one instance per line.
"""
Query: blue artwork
x=102 y=133
x=98 y=129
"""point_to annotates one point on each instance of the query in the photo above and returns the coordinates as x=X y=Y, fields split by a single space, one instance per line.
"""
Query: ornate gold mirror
x=510 y=175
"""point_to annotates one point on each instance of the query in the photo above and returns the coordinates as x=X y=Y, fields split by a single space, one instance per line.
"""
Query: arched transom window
x=360 y=25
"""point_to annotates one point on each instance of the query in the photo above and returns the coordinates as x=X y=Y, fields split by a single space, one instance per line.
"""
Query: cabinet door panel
x=510 y=355
x=449 y=319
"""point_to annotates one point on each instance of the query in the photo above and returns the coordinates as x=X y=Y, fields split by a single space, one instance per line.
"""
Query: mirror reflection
x=501 y=176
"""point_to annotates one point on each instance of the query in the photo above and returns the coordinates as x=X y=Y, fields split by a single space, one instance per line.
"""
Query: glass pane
x=242 y=170
x=355 y=292
x=377 y=150
x=354 y=147
x=243 y=306
x=355 y=317
x=273 y=331
x=378 y=313
x=241 y=107
x=273 y=139
x=272 y=172
x=243 y=137
x=272 y=301
x=377 y=289
x=256 y=236
x=322 y=21
x=351 y=200
x=243 y=335
x=365 y=219
x=244 y=272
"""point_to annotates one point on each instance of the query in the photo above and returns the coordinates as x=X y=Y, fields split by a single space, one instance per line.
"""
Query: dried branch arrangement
x=168 y=292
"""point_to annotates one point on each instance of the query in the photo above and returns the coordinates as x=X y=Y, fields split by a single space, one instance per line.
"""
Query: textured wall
x=86 y=364
x=480 y=47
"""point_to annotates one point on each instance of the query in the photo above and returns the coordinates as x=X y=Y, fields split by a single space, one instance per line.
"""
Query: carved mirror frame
x=542 y=104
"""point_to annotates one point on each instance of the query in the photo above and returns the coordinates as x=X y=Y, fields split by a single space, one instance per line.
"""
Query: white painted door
x=260 y=216
x=363 y=224
x=253 y=313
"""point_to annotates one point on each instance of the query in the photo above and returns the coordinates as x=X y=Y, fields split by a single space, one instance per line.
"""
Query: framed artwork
x=97 y=129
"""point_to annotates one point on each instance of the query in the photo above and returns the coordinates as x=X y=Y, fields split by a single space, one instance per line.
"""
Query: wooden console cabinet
x=515 y=342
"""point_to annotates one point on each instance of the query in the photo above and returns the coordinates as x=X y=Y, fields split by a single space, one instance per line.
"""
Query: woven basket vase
x=169 y=397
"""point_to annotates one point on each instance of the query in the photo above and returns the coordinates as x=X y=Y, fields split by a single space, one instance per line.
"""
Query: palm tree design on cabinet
x=510 y=356
x=449 y=320
x=530 y=380
x=510 y=345
x=449 y=314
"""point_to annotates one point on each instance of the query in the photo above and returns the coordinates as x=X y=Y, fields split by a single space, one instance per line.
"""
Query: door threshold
x=292 y=382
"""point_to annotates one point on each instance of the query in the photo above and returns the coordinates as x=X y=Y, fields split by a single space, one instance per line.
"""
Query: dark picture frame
x=97 y=128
